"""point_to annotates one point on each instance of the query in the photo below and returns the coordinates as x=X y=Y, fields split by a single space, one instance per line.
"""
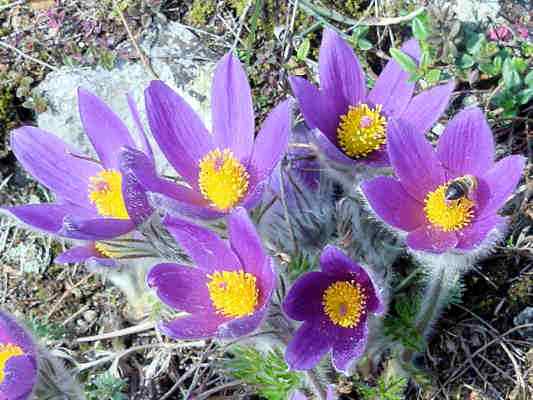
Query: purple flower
x=334 y=304
x=330 y=395
x=94 y=199
x=437 y=215
x=18 y=360
x=500 y=33
x=353 y=124
x=223 y=170
x=228 y=292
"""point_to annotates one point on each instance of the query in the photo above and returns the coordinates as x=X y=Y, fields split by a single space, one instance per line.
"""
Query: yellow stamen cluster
x=448 y=216
x=223 y=180
x=105 y=250
x=105 y=192
x=233 y=293
x=344 y=303
x=362 y=130
x=7 y=351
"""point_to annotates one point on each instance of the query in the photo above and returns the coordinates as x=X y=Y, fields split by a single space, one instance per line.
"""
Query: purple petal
x=389 y=200
x=95 y=228
x=204 y=247
x=349 y=347
x=392 y=89
x=242 y=326
x=502 y=179
x=146 y=148
x=232 y=109
x=338 y=265
x=413 y=160
x=272 y=140
x=105 y=130
x=425 y=109
x=297 y=395
x=307 y=347
x=177 y=129
x=254 y=195
x=318 y=112
x=331 y=151
x=135 y=199
x=50 y=161
x=11 y=331
x=181 y=287
x=19 y=379
x=378 y=158
x=81 y=254
x=427 y=238
x=199 y=326
x=466 y=146
x=304 y=300
x=341 y=76
x=477 y=231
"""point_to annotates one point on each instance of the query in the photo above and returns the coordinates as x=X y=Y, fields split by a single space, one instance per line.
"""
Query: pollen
x=105 y=192
x=344 y=303
x=223 y=180
x=105 y=250
x=7 y=351
x=361 y=130
x=448 y=216
x=233 y=293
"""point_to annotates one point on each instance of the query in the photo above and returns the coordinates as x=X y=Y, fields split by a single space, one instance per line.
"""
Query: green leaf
x=466 y=61
x=360 y=31
x=528 y=80
x=511 y=77
x=433 y=76
x=405 y=61
x=425 y=59
x=497 y=62
x=364 y=44
x=475 y=43
x=303 y=49
x=419 y=29
x=519 y=64
x=488 y=69
x=525 y=96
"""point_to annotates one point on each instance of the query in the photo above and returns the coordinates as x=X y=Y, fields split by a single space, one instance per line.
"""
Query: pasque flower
x=334 y=304
x=438 y=214
x=352 y=123
x=223 y=170
x=228 y=291
x=18 y=360
x=90 y=194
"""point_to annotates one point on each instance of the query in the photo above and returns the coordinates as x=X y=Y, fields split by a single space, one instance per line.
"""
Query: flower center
x=448 y=215
x=344 y=303
x=105 y=250
x=105 y=192
x=7 y=351
x=361 y=130
x=233 y=293
x=223 y=180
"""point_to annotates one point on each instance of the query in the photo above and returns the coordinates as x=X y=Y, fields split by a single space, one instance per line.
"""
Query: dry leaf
x=41 y=4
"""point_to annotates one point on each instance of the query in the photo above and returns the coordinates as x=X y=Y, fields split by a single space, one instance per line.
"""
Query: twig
x=28 y=57
x=146 y=326
x=67 y=293
x=241 y=24
x=207 y=393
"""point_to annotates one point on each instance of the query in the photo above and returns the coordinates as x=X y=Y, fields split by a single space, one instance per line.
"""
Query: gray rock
x=476 y=11
x=178 y=57
x=525 y=317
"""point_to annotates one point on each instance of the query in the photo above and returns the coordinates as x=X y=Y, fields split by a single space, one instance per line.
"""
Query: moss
x=238 y=5
x=201 y=11
x=521 y=292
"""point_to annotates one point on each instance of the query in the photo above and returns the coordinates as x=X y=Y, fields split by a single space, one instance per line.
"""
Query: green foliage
x=105 y=387
x=201 y=11
x=400 y=324
x=267 y=372
x=298 y=266
x=359 y=39
x=387 y=388
x=45 y=330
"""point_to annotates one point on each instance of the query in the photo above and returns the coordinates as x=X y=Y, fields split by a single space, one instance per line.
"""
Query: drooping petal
x=80 y=254
x=318 y=112
x=232 y=109
x=331 y=151
x=181 y=287
x=271 y=142
x=425 y=108
x=135 y=198
x=95 y=228
x=341 y=75
x=105 y=130
x=392 y=88
x=145 y=147
x=238 y=327
x=349 y=347
x=427 y=238
x=177 y=129
x=467 y=145
x=197 y=326
x=307 y=346
x=204 y=247
x=389 y=200
x=304 y=300
x=502 y=179
x=413 y=160
x=337 y=264
x=48 y=159
x=477 y=231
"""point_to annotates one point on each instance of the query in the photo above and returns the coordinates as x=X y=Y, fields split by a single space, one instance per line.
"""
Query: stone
x=476 y=11
x=178 y=57
x=525 y=317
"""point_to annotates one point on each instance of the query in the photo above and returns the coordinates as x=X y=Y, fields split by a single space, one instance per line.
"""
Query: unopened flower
x=228 y=291
x=353 y=124
x=447 y=198
x=18 y=360
x=500 y=33
x=223 y=170
x=334 y=304
x=90 y=194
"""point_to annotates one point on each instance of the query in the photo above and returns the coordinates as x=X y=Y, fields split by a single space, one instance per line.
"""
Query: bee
x=460 y=188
